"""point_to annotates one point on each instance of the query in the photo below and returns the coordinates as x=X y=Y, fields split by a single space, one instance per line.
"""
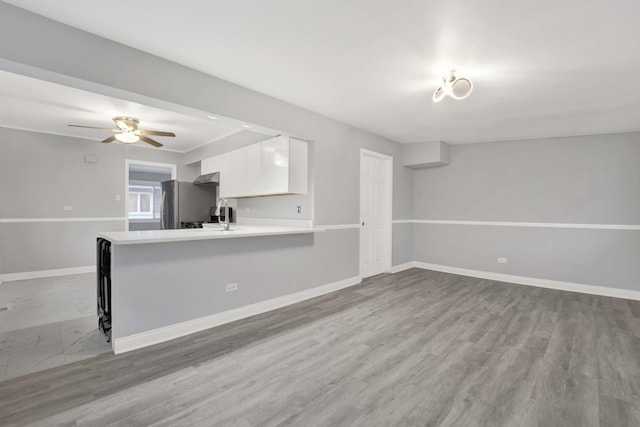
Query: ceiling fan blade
x=155 y=132
x=110 y=139
x=150 y=141
x=88 y=127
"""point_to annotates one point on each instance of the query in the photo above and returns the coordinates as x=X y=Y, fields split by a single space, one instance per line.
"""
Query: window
x=144 y=201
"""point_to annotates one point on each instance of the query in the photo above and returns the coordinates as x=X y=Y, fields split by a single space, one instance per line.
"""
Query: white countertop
x=160 y=236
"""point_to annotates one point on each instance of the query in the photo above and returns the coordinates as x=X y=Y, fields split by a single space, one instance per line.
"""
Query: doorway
x=376 y=186
x=144 y=194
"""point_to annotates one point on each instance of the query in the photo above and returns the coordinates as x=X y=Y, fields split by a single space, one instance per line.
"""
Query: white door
x=373 y=212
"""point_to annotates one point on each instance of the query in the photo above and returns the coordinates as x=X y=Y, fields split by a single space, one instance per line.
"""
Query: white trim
x=127 y=164
x=171 y=166
x=376 y=154
x=532 y=281
x=402 y=267
x=303 y=223
x=87 y=219
x=337 y=227
x=388 y=207
x=47 y=273
x=522 y=224
x=156 y=336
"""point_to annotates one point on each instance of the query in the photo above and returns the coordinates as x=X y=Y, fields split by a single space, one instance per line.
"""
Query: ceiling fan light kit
x=127 y=132
x=127 y=137
x=455 y=87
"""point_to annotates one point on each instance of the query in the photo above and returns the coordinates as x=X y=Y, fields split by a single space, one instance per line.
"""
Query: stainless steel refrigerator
x=185 y=202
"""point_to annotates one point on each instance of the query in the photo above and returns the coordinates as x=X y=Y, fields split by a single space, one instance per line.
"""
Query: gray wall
x=42 y=173
x=91 y=63
x=579 y=180
x=403 y=243
x=589 y=179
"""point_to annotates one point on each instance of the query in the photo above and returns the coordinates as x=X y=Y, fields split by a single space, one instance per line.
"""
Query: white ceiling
x=541 y=68
x=31 y=104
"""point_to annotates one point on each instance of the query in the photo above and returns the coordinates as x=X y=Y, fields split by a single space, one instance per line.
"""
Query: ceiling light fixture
x=213 y=117
x=244 y=125
x=455 y=87
x=127 y=137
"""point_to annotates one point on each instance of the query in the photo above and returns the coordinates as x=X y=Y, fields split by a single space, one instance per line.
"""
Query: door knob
x=363 y=223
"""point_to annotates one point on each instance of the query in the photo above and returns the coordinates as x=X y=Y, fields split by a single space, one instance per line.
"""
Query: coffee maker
x=221 y=218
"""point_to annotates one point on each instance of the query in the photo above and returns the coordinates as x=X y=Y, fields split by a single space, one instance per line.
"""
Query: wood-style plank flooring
x=417 y=348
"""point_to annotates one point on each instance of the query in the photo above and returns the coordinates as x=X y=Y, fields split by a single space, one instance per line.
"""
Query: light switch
x=118 y=198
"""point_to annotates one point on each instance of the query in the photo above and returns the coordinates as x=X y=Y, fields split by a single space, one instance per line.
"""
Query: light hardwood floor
x=415 y=348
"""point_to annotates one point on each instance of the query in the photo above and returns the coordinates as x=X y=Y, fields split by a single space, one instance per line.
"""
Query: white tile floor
x=51 y=322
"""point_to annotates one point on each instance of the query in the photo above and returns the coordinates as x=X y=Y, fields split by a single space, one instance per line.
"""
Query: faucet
x=225 y=224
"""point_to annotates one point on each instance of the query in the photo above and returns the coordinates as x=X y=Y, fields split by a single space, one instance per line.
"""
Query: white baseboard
x=402 y=267
x=156 y=336
x=529 y=281
x=47 y=273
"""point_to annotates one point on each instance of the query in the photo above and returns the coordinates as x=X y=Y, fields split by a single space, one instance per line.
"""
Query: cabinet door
x=238 y=170
x=275 y=166
x=205 y=166
x=214 y=164
x=210 y=165
x=253 y=170
x=226 y=176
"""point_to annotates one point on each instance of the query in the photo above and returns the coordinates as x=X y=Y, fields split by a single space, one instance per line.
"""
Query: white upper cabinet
x=253 y=170
x=229 y=180
x=276 y=166
x=210 y=165
x=284 y=166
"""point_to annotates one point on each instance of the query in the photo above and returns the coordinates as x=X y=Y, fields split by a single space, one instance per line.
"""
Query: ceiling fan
x=127 y=132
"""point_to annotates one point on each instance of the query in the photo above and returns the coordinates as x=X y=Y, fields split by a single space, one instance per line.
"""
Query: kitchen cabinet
x=210 y=165
x=272 y=167
x=229 y=175
x=284 y=166
x=275 y=165
x=253 y=170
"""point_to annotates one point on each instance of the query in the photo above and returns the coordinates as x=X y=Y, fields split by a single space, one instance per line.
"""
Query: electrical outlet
x=502 y=260
x=232 y=287
x=67 y=208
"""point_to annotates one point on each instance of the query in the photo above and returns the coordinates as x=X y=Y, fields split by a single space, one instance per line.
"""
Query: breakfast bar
x=169 y=283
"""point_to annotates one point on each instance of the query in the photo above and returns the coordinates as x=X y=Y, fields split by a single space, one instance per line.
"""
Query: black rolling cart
x=103 y=267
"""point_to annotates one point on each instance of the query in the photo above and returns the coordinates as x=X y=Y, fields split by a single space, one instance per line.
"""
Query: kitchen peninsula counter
x=162 y=236
x=159 y=285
